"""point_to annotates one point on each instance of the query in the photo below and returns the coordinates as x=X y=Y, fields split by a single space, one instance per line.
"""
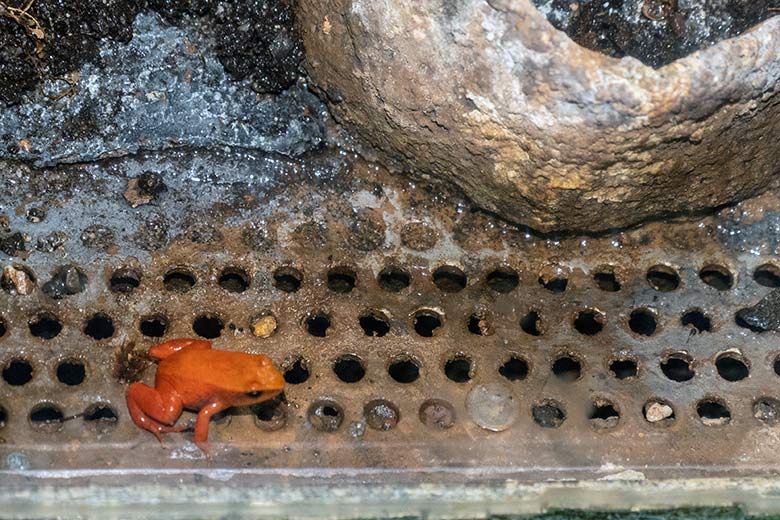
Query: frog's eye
x=254 y=393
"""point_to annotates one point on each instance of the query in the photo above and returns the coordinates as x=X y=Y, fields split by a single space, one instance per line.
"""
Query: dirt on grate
x=656 y=32
x=71 y=33
x=254 y=40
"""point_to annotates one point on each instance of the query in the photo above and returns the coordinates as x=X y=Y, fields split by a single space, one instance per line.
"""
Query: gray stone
x=532 y=126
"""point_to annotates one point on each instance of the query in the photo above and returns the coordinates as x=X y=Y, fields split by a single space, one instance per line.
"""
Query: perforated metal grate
x=415 y=334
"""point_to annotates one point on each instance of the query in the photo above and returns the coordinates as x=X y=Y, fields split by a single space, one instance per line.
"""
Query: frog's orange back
x=202 y=373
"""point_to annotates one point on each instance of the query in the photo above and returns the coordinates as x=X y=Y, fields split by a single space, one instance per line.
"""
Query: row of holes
x=343 y=279
x=349 y=368
x=46 y=415
x=549 y=413
x=426 y=322
x=451 y=279
x=677 y=366
x=328 y=415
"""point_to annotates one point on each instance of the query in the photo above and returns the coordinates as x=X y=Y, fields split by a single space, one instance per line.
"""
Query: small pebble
x=656 y=412
x=66 y=281
x=17 y=281
x=51 y=242
x=36 y=215
x=12 y=244
x=144 y=189
x=265 y=326
x=492 y=406
x=357 y=429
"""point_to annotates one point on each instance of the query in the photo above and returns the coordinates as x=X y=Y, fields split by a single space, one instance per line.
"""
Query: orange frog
x=193 y=376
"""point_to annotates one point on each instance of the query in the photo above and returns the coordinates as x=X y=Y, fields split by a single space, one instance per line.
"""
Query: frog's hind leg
x=165 y=349
x=154 y=410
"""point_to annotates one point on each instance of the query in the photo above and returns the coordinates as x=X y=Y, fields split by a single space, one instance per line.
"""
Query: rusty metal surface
x=332 y=219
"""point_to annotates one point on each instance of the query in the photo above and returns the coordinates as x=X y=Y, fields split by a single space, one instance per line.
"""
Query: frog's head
x=265 y=382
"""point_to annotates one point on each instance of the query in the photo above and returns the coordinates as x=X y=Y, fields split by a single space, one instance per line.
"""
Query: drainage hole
x=663 y=278
x=71 y=373
x=427 y=323
x=548 y=414
x=264 y=411
x=556 y=284
x=325 y=415
x=234 y=279
x=179 y=280
x=18 y=372
x=502 y=280
x=153 y=326
x=623 y=368
x=713 y=412
x=349 y=368
x=677 y=367
x=567 y=368
x=3 y=327
x=317 y=324
x=124 y=280
x=531 y=323
x=458 y=369
x=381 y=415
x=767 y=410
x=270 y=415
x=208 y=326
x=606 y=280
x=437 y=414
x=449 y=279
x=99 y=326
x=45 y=325
x=589 y=322
x=732 y=367
x=603 y=414
x=767 y=275
x=101 y=416
x=643 y=322
x=697 y=321
x=404 y=370
x=46 y=416
x=341 y=279
x=374 y=323
x=776 y=366
x=288 y=279
x=717 y=276
x=3 y=417
x=658 y=411
x=514 y=369
x=297 y=373
x=394 y=279
x=481 y=324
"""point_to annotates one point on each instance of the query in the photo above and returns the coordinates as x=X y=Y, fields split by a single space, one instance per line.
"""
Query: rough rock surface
x=765 y=315
x=162 y=89
x=487 y=94
x=45 y=39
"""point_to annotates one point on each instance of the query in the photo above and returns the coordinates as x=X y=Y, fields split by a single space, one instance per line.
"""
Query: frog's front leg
x=202 y=423
x=154 y=409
